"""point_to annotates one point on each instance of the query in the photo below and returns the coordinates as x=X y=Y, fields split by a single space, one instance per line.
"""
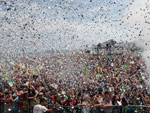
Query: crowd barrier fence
x=137 y=109
x=23 y=107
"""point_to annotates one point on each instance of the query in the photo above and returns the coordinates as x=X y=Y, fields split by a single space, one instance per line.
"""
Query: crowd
x=73 y=81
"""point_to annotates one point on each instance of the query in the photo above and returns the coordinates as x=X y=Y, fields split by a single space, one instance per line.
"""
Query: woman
x=107 y=102
x=86 y=103
x=116 y=100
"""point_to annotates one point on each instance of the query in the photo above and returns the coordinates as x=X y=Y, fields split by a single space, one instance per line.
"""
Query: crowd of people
x=72 y=82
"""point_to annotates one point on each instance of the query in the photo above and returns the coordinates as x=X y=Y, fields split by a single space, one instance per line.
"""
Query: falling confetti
x=53 y=38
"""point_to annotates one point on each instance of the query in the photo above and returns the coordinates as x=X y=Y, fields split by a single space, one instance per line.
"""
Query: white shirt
x=39 y=109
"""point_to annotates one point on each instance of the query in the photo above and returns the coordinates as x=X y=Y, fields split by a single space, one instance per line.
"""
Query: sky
x=35 y=26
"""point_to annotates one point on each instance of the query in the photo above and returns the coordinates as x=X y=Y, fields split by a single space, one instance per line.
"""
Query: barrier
x=102 y=109
x=16 y=107
x=23 y=107
x=137 y=109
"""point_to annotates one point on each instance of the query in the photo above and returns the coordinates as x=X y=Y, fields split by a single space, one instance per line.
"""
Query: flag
x=124 y=66
x=99 y=75
x=99 y=69
x=41 y=67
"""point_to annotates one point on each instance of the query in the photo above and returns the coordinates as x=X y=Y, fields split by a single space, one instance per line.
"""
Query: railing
x=15 y=107
x=23 y=107
x=137 y=109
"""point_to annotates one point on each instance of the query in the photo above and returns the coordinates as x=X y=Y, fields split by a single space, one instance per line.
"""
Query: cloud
x=34 y=27
x=30 y=29
x=138 y=18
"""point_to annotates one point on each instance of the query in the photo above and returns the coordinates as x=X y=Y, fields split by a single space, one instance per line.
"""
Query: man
x=40 y=108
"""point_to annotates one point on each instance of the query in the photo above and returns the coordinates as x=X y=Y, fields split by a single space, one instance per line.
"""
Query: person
x=1 y=101
x=62 y=78
x=108 y=102
x=116 y=100
x=86 y=103
x=40 y=108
